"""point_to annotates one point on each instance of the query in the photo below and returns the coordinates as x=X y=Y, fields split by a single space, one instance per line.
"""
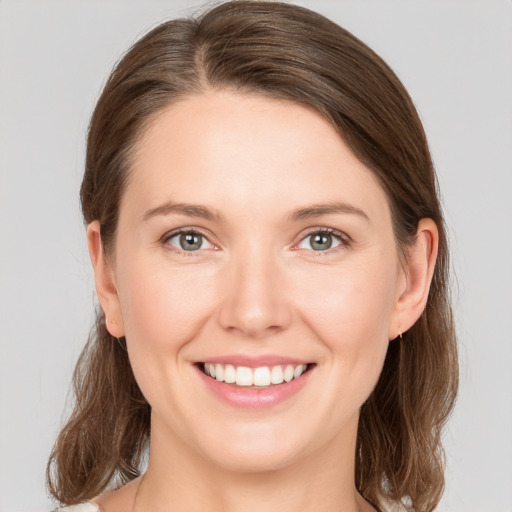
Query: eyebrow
x=190 y=210
x=203 y=212
x=317 y=210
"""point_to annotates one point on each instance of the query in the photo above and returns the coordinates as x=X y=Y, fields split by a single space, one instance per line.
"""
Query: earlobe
x=105 y=281
x=418 y=269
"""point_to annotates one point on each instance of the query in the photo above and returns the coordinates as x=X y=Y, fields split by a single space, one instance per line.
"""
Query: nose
x=253 y=296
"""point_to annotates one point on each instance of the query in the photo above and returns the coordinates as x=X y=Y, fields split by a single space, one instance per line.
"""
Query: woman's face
x=251 y=239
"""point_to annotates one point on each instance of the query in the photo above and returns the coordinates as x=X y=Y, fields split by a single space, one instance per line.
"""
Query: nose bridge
x=254 y=301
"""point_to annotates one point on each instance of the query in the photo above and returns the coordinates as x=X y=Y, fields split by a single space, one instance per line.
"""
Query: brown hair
x=285 y=52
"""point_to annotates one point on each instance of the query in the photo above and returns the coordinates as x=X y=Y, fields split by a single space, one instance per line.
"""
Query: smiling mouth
x=261 y=377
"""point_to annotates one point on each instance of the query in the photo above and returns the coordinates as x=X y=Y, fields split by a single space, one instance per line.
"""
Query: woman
x=271 y=265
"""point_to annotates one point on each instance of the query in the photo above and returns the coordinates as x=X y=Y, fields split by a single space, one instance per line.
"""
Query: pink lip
x=253 y=398
x=255 y=361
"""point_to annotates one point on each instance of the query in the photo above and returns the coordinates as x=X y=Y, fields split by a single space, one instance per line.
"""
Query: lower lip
x=253 y=398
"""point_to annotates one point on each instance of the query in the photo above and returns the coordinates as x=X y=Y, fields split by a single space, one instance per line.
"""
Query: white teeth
x=262 y=376
x=219 y=372
x=299 y=370
x=243 y=376
x=289 y=371
x=276 y=376
x=229 y=374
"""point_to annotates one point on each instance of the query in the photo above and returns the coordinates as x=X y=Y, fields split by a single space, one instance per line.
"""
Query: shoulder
x=83 y=507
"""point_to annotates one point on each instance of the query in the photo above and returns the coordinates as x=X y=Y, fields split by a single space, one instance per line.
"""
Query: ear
x=417 y=271
x=105 y=281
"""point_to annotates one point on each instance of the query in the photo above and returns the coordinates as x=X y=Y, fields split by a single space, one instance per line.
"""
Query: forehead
x=243 y=151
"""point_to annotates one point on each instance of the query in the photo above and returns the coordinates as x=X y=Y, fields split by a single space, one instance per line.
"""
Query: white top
x=91 y=507
x=83 y=507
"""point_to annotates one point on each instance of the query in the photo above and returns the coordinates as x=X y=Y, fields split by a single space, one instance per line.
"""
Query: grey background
x=455 y=57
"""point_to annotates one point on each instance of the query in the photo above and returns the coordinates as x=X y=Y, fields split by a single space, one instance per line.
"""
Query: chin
x=256 y=448
x=255 y=461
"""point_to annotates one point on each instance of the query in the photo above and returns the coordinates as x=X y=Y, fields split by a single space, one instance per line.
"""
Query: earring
x=123 y=346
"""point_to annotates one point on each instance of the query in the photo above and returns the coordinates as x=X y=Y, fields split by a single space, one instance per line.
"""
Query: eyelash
x=344 y=240
x=192 y=231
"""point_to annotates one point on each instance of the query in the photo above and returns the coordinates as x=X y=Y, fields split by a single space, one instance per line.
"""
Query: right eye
x=189 y=241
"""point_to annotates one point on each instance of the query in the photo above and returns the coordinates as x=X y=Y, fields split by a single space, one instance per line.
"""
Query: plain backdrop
x=454 y=57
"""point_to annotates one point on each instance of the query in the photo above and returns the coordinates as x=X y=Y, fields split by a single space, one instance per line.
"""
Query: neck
x=179 y=478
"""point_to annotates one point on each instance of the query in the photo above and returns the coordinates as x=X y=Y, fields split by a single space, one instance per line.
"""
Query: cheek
x=163 y=308
x=358 y=298
x=349 y=310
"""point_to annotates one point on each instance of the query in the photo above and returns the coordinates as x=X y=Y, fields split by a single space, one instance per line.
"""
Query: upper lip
x=255 y=361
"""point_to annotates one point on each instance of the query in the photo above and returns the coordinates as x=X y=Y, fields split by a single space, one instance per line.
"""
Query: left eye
x=189 y=241
x=321 y=241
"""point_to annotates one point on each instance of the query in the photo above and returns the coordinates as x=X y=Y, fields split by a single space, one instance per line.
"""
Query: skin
x=256 y=286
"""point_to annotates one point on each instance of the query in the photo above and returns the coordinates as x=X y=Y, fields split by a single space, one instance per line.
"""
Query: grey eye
x=189 y=241
x=320 y=241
